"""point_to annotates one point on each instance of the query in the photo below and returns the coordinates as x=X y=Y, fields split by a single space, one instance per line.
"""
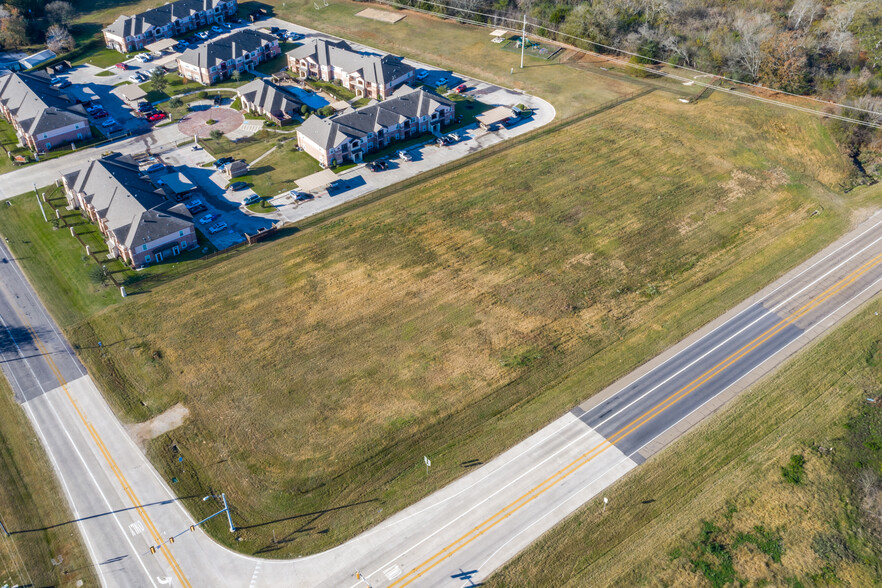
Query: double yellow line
x=130 y=492
x=634 y=425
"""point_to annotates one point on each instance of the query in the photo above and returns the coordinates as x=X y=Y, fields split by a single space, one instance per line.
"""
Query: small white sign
x=427 y=460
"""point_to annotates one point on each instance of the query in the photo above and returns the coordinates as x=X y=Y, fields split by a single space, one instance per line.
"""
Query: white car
x=143 y=57
x=108 y=123
x=207 y=218
x=135 y=78
x=217 y=227
x=217 y=29
x=405 y=156
x=202 y=35
x=422 y=74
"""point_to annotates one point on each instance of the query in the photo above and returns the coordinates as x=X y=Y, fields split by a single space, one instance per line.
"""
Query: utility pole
x=523 y=40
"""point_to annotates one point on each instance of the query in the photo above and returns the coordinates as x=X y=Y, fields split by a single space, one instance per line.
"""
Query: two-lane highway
x=460 y=534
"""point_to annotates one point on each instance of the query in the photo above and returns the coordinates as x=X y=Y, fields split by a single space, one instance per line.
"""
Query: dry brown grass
x=318 y=369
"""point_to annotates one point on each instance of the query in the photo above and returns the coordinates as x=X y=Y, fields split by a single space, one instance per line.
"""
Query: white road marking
x=393 y=572
x=136 y=528
x=254 y=576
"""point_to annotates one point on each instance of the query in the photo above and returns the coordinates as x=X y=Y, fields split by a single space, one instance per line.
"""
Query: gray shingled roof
x=406 y=104
x=36 y=105
x=135 y=211
x=376 y=69
x=226 y=48
x=131 y=26
x=269 y=97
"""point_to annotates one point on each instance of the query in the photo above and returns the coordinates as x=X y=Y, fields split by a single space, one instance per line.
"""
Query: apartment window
x=48 y=146
x=147 y=258
x=45 y=136
x=143 y=248
x=180 y=233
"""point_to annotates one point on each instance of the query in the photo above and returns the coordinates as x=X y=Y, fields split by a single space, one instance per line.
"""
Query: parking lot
x=225 y=204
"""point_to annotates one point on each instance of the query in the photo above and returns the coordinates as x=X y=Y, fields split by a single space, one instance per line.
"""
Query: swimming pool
x=311 y=99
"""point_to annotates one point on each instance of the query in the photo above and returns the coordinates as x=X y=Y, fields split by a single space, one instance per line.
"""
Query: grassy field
x=455 y=318
x=693 y=514
x=33 y=510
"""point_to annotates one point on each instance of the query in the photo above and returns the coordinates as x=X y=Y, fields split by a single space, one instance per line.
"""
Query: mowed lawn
x=723 y=481
x=34 y=511
x=456 y=317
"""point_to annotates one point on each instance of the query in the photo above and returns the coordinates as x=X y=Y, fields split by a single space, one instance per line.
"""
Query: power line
x=622 y=51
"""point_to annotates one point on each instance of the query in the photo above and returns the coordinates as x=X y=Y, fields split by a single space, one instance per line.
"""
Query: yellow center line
x=634 y=425
x=157 y=537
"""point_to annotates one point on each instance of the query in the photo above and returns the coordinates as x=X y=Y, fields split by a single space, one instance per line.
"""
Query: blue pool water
x=311 y=99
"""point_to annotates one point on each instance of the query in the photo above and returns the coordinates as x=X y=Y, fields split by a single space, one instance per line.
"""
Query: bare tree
x=803 y=13
x=867 y=480
x=753 y=29
x=837 y=22
x=59 y=39
x=60 y=12
x=653 y=9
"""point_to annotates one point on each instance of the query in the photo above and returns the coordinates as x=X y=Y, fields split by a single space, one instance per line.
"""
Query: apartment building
x=365 y=74
x=130 y=33
x=43 y=116
x=349 y=135
x=216 y=60
x=139 y=224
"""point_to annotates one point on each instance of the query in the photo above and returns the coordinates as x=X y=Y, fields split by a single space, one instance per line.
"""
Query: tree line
x=830 y=49
x=25 y=23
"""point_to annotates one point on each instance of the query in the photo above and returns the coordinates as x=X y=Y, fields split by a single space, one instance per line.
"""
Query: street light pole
x=37 y=194
x=523 y=40
x=227 y=508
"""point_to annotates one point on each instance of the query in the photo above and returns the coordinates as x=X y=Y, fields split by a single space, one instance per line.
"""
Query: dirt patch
x=225 y=120
x=381 y=15
x=171 y=419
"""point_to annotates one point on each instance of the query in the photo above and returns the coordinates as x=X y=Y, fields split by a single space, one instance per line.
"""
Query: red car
x=122 y=66
x=460 y=89
x=156 y=116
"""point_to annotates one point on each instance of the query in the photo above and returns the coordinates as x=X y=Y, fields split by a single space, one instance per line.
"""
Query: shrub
x=794 y=471
x=210 y=121
x=175 y=102
x=203 y=95
x=216 y=134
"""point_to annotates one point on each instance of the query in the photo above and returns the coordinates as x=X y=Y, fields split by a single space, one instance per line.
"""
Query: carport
x=175 y=184
x=130 y=93
x=493 y=117
x=316 y=181
x=161 y=45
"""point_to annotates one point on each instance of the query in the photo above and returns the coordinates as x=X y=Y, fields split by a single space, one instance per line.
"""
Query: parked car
x=292 y=36
x=115 y=127
x=217 y=29
x=252 y=199
x=422 y=74
x=219 y=163
x=405 y=156
x=155 y=168
x=440 y=82
x=156 y=116
x=304 y=196
x=122 y=66
x=93 y=108
x=144 y=107
x=373 y=166
x=203 y=35
x=98 y=114
x=295 y=193
x=274 y=30
x=198 y=209
x=460 y=88
x=207 y=218
x=217 y=227
x=443 y=141
x=238 y=185
x=455 y=136
x=193 y=204
x=135 y=78
x=226 y=25
x=143 y=57
x=108 y=123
